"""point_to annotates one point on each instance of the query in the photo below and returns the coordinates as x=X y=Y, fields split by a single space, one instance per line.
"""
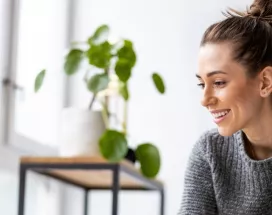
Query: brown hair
x=250 y=32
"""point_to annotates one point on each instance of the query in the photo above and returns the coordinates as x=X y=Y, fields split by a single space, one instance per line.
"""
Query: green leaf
x=39 y=80
x=123 y=69
x=127 y=52
x=98 y=82
x=100 y=35
x=123 y=90
x=149 y=158
x=157 y=80
x=100 y=55
x=113 y=145
x=72 y=61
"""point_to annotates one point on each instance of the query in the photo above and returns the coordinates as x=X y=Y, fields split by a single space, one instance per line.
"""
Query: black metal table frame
x=114 y=167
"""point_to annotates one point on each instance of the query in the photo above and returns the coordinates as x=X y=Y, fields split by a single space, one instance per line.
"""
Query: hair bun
x=261 y=9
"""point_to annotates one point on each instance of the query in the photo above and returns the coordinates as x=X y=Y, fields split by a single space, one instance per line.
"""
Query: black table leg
x=162 y=202
x=115 y=190
x=22 y=184
x=86 y=199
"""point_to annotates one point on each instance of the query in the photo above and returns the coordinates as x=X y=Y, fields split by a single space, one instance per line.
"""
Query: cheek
x=222 y=95
x=237 y=98
x=226 y=96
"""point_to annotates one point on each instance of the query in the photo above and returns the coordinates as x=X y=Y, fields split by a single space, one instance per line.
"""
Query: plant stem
x=78 y=43
x=107 y=71
x=105 y=116
x=125 y=117
x=92 y=101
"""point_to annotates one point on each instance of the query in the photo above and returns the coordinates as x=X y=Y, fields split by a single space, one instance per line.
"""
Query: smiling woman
x=229 y=170
x=227 y=88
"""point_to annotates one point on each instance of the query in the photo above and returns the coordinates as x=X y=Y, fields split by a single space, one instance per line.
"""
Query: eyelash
x=217 y=84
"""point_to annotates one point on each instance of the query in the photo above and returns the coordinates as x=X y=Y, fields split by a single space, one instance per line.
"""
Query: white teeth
x=220 y=114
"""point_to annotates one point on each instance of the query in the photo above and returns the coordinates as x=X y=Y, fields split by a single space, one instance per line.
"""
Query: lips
x=220 y=115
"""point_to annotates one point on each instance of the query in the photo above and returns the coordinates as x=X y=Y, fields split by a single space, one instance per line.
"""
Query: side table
x=89 y=173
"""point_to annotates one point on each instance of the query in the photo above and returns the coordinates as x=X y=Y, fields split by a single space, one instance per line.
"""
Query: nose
x=208 y=98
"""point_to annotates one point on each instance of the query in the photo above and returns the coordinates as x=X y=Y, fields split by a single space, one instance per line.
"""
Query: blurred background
x=35 y=34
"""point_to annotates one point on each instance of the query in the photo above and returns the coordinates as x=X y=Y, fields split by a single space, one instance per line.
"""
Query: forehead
x=217 y=57
x=215 y=51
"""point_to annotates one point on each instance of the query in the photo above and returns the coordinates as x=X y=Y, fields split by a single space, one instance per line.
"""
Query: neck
x=259 y=136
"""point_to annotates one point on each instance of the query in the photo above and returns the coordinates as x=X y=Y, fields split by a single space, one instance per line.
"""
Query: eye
x=201 y=85
x=219 y=84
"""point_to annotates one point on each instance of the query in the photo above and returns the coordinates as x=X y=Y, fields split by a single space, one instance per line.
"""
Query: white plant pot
x=80 y=131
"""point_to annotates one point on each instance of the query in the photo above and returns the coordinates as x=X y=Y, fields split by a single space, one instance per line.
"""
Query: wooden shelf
x=89 y=178
x=89 y=173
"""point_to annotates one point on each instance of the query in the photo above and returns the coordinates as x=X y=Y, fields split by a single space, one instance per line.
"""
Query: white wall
x=166 y=34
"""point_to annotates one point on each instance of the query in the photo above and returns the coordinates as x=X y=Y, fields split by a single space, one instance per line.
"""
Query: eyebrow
x=212 y=73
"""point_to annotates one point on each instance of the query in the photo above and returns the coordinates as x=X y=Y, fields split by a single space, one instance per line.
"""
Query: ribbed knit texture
x=222 y=179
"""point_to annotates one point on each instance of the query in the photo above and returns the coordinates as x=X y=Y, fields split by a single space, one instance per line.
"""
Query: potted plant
x=111 y=59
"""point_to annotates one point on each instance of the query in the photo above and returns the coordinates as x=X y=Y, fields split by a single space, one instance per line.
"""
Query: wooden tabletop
x=88 y=178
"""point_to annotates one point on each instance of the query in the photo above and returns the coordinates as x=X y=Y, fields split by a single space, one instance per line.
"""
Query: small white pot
x=80 y=131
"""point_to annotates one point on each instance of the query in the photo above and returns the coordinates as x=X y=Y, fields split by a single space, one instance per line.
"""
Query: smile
x=220 y=116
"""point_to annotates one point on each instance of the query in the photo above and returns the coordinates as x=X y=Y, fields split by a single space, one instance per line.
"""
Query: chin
x=226 y=131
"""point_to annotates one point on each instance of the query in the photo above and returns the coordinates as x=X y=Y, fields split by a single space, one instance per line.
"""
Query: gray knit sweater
x=222 y=179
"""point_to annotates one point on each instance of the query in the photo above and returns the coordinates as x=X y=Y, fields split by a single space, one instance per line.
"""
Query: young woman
x=230 y=167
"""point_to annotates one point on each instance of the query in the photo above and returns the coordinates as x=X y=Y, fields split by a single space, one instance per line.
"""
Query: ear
x=266 y=81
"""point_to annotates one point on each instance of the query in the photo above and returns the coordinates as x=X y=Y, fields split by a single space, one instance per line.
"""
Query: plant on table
x=110 y=59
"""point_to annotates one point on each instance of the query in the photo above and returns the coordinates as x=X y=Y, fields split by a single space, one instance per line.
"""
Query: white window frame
x=8 y=90
x=13 y=145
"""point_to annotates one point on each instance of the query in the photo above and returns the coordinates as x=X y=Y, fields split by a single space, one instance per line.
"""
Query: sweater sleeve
x=198 y=194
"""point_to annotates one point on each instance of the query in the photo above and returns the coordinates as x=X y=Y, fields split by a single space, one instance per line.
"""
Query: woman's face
x=229 y=94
